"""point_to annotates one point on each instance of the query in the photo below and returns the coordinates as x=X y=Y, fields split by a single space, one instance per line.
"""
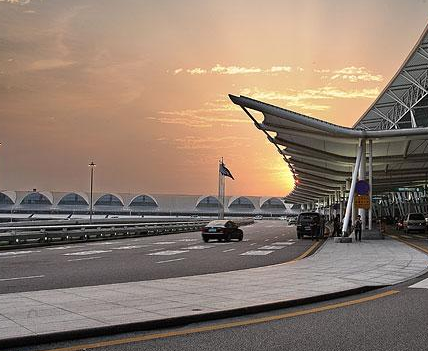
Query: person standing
x=358 y=228
x=315 y=227
x=336 y=225
x=322 y=226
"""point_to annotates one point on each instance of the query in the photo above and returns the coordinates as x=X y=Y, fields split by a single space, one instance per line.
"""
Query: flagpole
x=219 y=192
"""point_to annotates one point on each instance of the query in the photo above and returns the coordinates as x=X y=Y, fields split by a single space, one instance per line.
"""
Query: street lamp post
x=92 y=166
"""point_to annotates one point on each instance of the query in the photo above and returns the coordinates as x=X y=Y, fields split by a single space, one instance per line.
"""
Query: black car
x=222 y=230
x=304 y=223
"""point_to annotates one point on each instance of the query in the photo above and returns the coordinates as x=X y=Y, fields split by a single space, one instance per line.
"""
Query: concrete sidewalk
x=334 y=268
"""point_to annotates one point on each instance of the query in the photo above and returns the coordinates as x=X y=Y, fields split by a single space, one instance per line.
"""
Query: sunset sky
x=140 y=86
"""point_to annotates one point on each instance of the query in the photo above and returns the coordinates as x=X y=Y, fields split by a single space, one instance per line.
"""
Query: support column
x=352 y=190
x=371 y=184
x=341 y=194
x=362 y=176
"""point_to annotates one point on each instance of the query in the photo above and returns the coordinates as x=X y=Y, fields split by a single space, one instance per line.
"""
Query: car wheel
x=228 y=237
x=205 y=239
x=241 y=237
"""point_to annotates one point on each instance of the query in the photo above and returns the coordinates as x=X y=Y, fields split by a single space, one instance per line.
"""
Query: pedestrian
x=357 y=228
x=322 y=226
x=336 y=225
x=315 y=227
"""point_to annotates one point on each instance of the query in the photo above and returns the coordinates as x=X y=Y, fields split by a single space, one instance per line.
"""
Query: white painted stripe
x=84 y=253
x=64 y=247
x=83 y=259
x=168 y=253
x=14 y=253
x=423 y=284
x=174 y=260
x=256 y=253
x=267 y=240
x=253 y=244
x=164 y=243
x=271 y=247
x=229 y=250
x=187 y=240
x=198 y=247
x=282 y=243
x=19 y=278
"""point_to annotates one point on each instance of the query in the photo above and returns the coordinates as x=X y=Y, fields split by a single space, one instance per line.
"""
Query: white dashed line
x=164 y=243
x=130 y=247
x=229 y=250
x=64 y=247
x=168 y=253
x=15 y=253
x=83 y=253
x=271 y=247
x=19 y=278
x=188 y=240
x=253 y=244
x=177 y=259
x=197 y=247
x=266 y=240
x=83 y=259
x=287 y=243
x=256 y=253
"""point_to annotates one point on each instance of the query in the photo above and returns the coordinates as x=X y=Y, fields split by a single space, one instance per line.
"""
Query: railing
x=14 y=236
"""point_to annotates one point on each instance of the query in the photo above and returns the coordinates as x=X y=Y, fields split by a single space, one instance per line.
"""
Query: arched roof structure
x=207 y=202
x=74 y=199
x=11 y=195
x=37 y=198
x=143 y=200
x=240 y=202
x=109 y=200
x=271 y=203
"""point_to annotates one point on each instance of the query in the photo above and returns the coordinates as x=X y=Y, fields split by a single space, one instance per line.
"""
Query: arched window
x=73 y=199
x=36 y=199
x=273 y=204
x=208 y=202
x=143 y=201
x=242 y=203
x=5 y=200
x=108 y=200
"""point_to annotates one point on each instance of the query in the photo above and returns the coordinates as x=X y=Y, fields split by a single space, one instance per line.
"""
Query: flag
x=223 y=170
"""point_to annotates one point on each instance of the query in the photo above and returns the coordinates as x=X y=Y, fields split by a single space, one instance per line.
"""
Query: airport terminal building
x=40 y=204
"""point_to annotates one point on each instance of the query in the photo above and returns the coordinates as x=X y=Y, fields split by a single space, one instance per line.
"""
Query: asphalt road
x=146 y=258
x=390 y=319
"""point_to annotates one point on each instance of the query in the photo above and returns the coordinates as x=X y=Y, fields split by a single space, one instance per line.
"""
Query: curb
x=176 y=321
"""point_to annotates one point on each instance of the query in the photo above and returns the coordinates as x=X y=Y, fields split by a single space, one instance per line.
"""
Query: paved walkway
x=334 y=268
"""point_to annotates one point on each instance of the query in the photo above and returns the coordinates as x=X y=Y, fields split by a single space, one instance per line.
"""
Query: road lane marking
x=420 y=236
x=229 y=250
x=253 y=244
x=256 y=253
x=84 y=253
x=164 y=243
x=221 y=326
x=174 y=260
x=83 y=259
x=266 y=239
x=198 y=247
x=283 y=243
x=64 y=247
x=271 y=247
x=19 y=278
x=15 y=253
x=167 y=253
x=423 y=284
x=188 y=240
x=129 y=247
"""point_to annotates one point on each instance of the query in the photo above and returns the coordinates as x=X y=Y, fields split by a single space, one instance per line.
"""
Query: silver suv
x=415 y=222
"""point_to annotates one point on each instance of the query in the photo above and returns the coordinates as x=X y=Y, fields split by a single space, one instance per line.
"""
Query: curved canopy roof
x=403 y=102
x=321 y=155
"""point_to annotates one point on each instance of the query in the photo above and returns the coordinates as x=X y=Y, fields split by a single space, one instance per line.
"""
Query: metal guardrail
x=46 y=234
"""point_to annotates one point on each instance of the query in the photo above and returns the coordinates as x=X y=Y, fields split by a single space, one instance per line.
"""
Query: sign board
x=362 y=201
x=362 y=187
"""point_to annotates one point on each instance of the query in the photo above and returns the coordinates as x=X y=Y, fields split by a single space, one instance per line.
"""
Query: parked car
x=415 y=222
x=222 y=230
x=292 y=221
x=304 y=223
x=258 y=217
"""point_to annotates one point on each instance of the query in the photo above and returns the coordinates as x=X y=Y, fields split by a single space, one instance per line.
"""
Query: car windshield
x=217 y=224
x=416 y=217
